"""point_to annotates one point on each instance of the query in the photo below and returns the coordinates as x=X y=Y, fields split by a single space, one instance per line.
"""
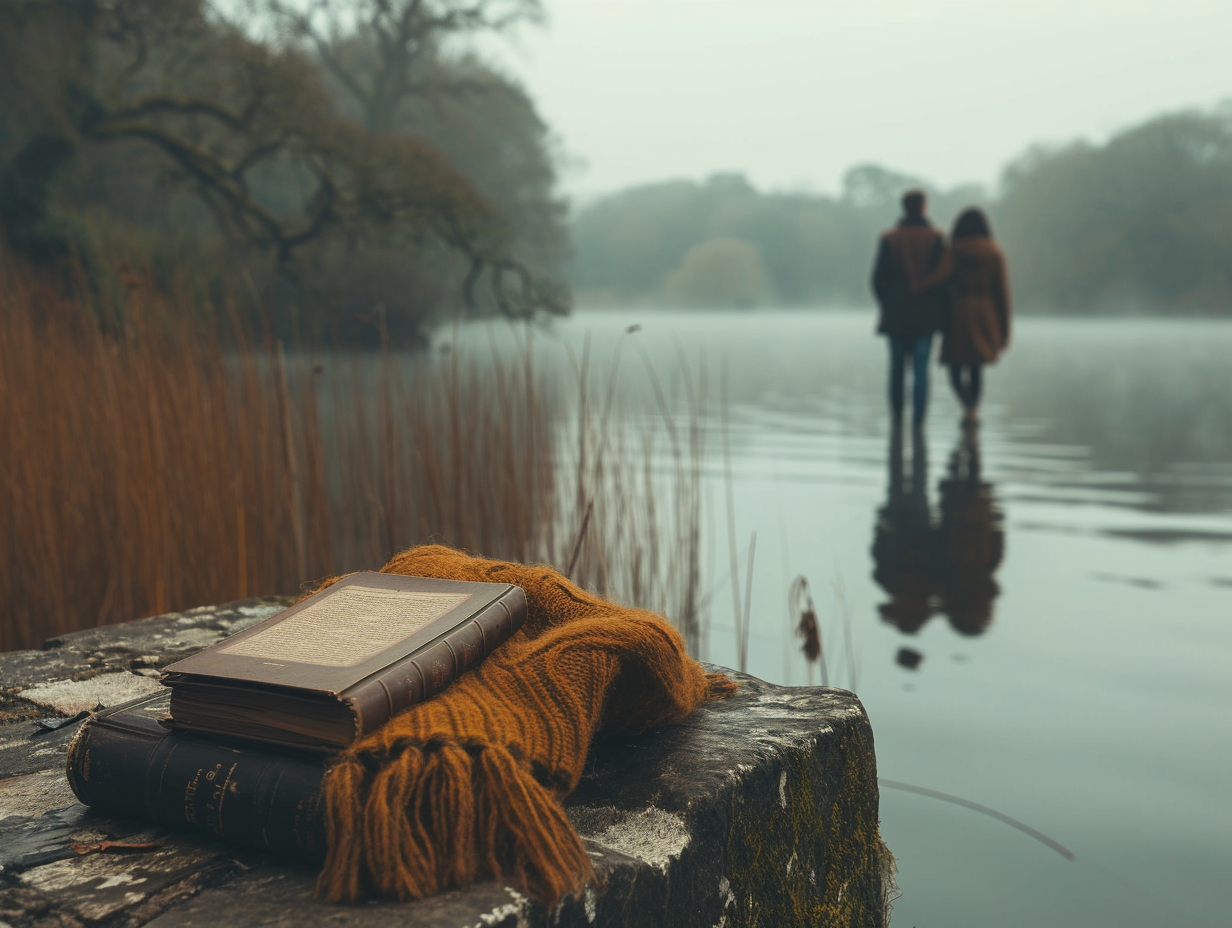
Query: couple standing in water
x=960 y=289
x=924 y=286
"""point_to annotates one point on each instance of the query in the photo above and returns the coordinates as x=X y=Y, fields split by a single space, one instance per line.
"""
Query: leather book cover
x=342 y=662
x=346 y=633
x=124 y=761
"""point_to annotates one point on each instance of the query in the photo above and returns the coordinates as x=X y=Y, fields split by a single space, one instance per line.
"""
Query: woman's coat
x=978 y=328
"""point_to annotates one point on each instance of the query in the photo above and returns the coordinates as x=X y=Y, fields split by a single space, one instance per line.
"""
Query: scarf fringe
x=442 y=815
x=720 y=687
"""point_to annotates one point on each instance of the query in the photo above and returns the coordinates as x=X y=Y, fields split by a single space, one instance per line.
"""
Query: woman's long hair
x=971 y=222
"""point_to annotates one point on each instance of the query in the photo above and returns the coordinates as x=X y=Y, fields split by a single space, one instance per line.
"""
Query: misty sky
x=793 y=92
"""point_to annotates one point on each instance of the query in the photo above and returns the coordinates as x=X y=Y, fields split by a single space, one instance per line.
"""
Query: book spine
x=261 y=799
x=380 y=697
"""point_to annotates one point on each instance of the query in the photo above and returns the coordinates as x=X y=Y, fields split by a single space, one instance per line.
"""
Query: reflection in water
x=1097 y=429
x=943 y=564
x=972 y=540
x=904 y=540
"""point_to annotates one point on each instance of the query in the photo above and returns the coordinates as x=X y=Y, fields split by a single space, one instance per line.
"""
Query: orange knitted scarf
x=469 y=784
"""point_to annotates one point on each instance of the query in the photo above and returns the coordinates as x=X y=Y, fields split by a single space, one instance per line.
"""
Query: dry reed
x=155 y=468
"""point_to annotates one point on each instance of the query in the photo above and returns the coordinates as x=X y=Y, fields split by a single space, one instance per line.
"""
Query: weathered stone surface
x=759 y=810
x=35 y=793
x=35 y=684
x=279 y=897
x=166 y=636
x=68 y=697
x=27 y=748
x=30 y=840
x=95 y=887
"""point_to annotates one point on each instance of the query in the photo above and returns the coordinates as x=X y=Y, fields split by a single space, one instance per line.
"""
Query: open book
x=339 y=664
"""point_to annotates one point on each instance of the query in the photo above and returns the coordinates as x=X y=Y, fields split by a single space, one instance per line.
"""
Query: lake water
x=1039 y=615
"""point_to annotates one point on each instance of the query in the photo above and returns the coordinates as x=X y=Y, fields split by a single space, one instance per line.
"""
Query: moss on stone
x=841 y=873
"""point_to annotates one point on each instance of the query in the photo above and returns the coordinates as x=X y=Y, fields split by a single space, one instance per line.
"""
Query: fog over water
x=1038 y=611
x=794 y=92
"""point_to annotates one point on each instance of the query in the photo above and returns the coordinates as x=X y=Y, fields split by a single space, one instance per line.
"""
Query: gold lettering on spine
x=190 y=798
x=218 y=795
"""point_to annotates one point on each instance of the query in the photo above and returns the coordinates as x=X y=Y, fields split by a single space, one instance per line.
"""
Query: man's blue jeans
x=918 y=348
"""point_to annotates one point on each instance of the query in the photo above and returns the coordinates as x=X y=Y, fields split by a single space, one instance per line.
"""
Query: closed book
x=124 y=761
x=342 y=662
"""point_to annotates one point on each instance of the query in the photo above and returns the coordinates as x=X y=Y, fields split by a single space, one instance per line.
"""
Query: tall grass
x=155 y=466
x=637 y=468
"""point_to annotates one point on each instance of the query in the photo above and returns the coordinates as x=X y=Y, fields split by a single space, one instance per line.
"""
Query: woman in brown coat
x=978 y=328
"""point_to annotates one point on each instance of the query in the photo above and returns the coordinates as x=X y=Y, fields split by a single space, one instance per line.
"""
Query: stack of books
x=239 y=743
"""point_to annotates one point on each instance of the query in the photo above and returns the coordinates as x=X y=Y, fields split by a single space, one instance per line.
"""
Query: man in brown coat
x=906 y=254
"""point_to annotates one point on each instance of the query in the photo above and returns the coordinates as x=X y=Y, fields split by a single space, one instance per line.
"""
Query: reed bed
x=633 y=461
x=157 y=465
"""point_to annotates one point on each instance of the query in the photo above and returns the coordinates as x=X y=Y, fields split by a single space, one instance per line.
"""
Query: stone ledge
x=132 y=649
x=758 y=810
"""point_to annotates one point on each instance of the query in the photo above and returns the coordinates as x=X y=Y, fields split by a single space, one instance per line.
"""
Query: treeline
x=1142 y=223
x=341 y=173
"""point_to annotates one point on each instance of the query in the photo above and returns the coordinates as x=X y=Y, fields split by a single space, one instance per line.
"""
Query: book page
x=346 y=627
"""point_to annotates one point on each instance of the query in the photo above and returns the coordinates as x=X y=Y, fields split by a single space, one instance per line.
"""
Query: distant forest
x=349 y=174
x=344 y=173
x=1142 y=223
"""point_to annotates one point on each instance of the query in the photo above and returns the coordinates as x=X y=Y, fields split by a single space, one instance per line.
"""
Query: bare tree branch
x=375 y=63
x=166 y=104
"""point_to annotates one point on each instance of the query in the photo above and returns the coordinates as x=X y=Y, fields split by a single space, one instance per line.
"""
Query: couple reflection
x=945 y=563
